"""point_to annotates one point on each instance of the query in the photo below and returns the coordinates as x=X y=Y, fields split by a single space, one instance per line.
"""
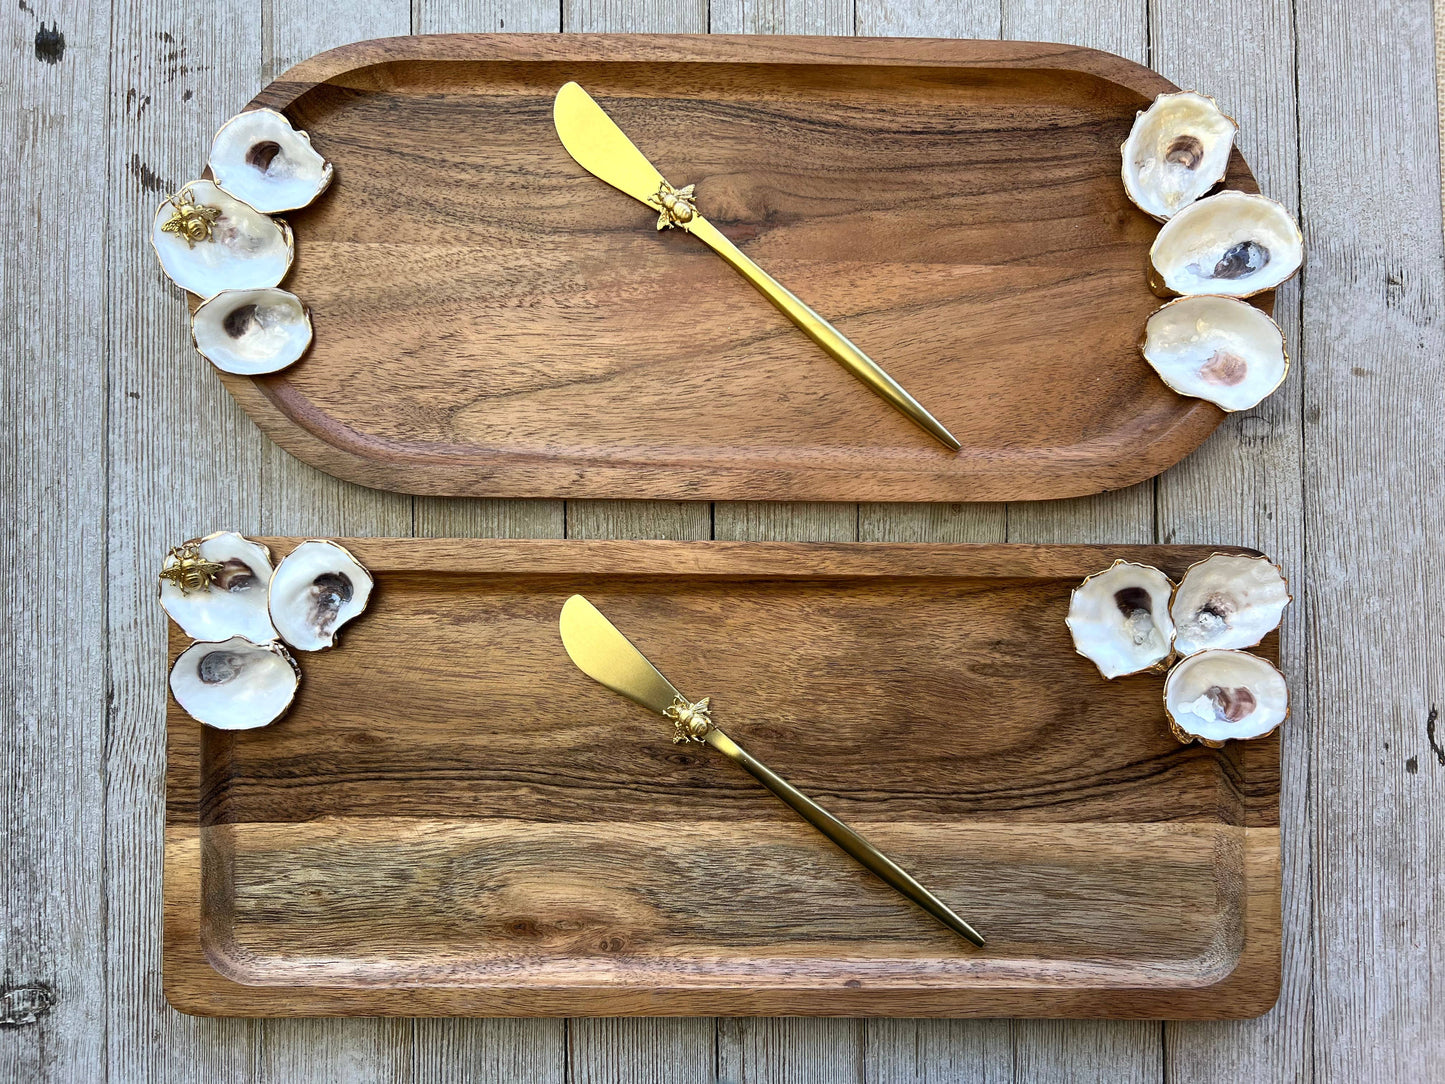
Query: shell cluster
x=217 y=239
x=1212 y=252
x=1131 y=618
x=242 y=612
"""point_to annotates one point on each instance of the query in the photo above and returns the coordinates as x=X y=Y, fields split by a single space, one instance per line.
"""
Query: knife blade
x=600 y=147
x=604 y=654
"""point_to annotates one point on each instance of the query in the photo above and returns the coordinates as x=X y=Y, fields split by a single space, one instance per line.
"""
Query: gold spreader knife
x=600 y=147
x=605 y=655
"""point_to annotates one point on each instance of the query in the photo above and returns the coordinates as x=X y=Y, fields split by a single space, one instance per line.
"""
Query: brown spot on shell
x=261 y=155
x=1186 y=150
x=235 y=575
x=1131 y=600
x=1219 y=606
x=1233 y=705
x=239 y=321
x=1225 y=369
x=329 y=592
x=1240 y=260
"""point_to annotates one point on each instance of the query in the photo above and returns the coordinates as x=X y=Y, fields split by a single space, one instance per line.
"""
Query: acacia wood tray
x=453 y=820
x=493 y=321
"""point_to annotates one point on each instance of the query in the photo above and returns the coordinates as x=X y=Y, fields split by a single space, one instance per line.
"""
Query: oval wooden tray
x=492 y=321
x=454 y=820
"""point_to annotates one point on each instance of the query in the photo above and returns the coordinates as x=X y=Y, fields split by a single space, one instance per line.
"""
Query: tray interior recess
x=493 y=321
x=454 y=819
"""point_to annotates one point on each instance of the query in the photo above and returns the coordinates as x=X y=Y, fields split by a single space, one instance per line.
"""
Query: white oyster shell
x=257 y=156
x=234 y=604
x=317 y=588
x=1228 y=601
x=1177 y=151
x=251 y=331
x=1216 y=348
x=1119 y=618
x=1218 y=695
x=1231 y=243
x=235 y=684
x=246 y=250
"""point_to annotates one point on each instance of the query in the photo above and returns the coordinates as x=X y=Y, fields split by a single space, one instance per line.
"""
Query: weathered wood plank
x=939 y=1051
x=53 y=561
x=1374 y=478
x=781 y=17
x=1244 y=486
x=635 y=16
x=487 y=16
x=789 y=1050
x=182 y=460
x=641 y=1051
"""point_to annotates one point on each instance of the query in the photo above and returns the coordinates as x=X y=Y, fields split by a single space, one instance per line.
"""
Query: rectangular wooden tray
x=491 y=320
x=453 y=820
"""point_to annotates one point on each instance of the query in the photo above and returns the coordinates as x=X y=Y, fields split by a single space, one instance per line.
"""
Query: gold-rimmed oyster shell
x=208 y=241
x=259 y=157
x=1221 y=695
x=1119 y=619
x=317 y=588
x=1236 y=244
x=1216 y=348
x=235 y=684
x=1177 y=150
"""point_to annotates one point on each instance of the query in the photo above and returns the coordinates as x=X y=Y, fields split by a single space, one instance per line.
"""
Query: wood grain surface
x=957 y=204
x=131 y=102
x=453 y=819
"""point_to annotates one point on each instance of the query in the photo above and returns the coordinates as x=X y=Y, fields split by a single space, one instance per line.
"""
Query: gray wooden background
x=118 y=441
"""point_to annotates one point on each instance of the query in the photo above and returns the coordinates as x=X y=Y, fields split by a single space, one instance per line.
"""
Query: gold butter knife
x=600 y=147
x=605 y=655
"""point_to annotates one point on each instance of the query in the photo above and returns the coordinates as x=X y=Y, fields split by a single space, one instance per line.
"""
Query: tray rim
x=498 y=473
x=196 y=985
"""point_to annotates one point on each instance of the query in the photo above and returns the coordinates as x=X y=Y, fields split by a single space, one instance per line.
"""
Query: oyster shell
x=208 y=241
x=1119 y=619
x=1216 y=348
x=1217 y=695
x=235 y=684
x=1231 y=243
x=257 y=156
x=232 y=600
x=1177 y=151
x=1227 y=601
x=251 y=331
x=317 y=588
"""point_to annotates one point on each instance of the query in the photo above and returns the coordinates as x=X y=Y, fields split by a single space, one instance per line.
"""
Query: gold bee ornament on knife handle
x=600 y=147
x=602 y=653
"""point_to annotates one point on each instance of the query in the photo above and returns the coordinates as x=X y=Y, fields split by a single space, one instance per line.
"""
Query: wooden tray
x=454 y=820
x=492 y=321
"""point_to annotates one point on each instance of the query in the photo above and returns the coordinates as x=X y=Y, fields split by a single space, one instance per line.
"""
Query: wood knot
x=21 y=1006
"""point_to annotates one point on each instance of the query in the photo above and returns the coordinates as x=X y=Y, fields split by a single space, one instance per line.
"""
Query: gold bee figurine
x=191 y=221
x=191 y=571
x=690 y=721
x=676 y=205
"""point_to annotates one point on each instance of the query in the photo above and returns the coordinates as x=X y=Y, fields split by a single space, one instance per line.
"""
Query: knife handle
x=846 y=838
x=838 y=345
